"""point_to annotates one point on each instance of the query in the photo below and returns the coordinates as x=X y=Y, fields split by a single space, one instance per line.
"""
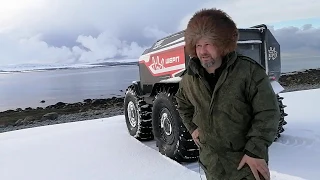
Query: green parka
x=240 y=115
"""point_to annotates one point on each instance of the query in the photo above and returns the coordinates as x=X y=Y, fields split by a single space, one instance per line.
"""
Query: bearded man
x=226 y=101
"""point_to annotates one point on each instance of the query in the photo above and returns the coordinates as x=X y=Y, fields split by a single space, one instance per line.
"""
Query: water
x=74 y=85
x=296 y=64
x=70 y=85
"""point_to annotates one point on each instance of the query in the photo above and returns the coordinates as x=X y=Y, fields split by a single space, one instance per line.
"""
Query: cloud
x=59 y=31
x=251 y=12
x=70 y=31
x=105 y=46
x=299 y=41
x=31 y=50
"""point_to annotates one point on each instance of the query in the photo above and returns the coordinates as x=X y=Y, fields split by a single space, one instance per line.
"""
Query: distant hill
x=116 y=63
x=50 y=67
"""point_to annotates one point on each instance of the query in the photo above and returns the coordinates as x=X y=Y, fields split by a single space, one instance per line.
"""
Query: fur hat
x=214 y=24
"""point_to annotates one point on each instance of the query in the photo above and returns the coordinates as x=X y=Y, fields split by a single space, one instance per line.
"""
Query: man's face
x=208 y=54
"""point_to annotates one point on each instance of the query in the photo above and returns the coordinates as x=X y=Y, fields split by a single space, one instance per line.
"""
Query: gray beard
x=208 y=64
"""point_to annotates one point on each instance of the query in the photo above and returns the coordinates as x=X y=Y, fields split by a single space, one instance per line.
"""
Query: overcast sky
x=46 y=31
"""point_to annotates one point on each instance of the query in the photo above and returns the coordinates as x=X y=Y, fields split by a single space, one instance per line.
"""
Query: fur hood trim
x=214 y=24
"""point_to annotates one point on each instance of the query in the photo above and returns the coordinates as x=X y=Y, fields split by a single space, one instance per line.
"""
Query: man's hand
x=257 y=166
x=195 y=137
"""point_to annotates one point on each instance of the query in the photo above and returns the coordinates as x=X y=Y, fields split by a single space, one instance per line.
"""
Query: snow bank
x=298 y=150
x=96 y=150
x=102 y=149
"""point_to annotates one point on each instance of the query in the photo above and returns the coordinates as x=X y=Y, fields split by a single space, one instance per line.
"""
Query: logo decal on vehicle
x=272 y=53
x=156 y=63
x=166 y=62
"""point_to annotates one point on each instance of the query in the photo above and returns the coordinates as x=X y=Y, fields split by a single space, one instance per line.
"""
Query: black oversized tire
x=177 y=144
x=140 y=126
x=282 y=121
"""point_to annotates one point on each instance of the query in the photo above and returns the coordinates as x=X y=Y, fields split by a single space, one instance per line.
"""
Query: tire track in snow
x=296 y=141
x=304 y=138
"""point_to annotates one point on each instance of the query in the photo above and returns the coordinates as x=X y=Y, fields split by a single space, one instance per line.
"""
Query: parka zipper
x=220 y=81
x=205 y=84
x=216 y=88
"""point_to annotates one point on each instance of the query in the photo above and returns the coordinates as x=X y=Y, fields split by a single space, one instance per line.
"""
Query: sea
x=27 y=87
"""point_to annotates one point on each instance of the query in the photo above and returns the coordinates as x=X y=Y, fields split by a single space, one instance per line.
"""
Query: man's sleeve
x=266 y=114
x=185 y=109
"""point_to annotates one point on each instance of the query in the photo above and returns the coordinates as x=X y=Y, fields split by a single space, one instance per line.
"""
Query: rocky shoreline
x=60 y=113
x=100 y=108
x=301 y=80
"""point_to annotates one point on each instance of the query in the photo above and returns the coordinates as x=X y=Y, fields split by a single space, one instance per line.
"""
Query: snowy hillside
x=44 y=67
x=102 y=149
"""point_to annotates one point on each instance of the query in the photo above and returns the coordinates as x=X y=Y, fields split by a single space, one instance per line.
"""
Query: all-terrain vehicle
x=150 y=107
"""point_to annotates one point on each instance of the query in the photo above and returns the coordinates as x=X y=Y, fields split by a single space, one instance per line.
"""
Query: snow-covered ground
x=102 y=149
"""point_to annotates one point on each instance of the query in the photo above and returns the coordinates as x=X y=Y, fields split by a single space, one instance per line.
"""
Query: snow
x=298 y=151
x=250 y=42
x=102 y=149
x=276 y=86
x=171 y=80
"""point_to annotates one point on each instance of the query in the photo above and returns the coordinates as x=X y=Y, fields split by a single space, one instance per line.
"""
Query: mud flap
x=276 y=86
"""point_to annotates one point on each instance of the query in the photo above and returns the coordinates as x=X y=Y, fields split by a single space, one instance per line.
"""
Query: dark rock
x=28 y=120
x=19 y=110
x=42 y=101
x=9 y=111
x=60 y=105
x=50 y=116
x=50 y=107
x=307 y=77
x=87 y=100
x=74 y=105
x=118 y=104
x=96 y=102
x=18 y=122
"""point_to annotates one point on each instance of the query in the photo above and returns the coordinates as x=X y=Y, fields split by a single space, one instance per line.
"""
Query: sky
x=89 y=31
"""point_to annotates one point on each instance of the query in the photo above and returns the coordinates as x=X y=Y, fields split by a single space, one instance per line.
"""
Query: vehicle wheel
x=138 y=116
x=282 y=121
x=172 y=138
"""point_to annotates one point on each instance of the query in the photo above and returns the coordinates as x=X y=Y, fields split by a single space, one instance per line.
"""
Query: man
x=226 y=101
